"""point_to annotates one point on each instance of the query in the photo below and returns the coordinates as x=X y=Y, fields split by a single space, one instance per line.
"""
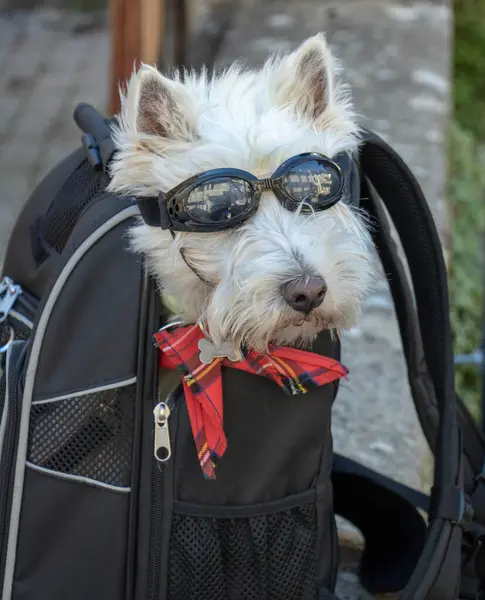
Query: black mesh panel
x=77 y=192
x=269 y=557
x=89 y=436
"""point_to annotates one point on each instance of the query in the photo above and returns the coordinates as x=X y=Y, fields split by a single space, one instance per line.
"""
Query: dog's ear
x=305 y=79
x=157 y=115
x=156 y=106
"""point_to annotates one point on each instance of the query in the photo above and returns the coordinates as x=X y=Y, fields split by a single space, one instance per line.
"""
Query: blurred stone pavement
x=49 y=61
x=396 y=57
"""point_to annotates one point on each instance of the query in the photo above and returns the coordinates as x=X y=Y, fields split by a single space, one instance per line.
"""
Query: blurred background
x=417 y=70
x=466 y=193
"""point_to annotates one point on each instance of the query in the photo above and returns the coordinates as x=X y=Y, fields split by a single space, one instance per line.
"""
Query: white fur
x=251 y=120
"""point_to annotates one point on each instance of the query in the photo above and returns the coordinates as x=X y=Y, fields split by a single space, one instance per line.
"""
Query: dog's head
x=287 y=272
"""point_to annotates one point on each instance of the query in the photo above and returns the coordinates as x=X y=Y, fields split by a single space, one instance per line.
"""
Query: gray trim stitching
x=95 y=390
x=77 y=478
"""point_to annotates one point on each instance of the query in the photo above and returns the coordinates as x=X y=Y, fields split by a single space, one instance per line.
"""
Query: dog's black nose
x=305 y=294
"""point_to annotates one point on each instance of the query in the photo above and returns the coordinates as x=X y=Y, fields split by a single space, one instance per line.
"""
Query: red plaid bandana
x=295 y=371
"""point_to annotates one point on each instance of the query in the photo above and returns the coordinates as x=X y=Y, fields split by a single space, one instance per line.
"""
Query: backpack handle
x=97 y=140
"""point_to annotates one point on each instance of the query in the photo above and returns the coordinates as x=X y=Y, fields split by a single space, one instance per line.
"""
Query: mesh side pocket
x=87 y=436
x=77 y=192
x=268 y=557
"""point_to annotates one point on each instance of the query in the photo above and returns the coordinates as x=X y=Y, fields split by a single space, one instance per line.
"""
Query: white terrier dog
x=288 y=260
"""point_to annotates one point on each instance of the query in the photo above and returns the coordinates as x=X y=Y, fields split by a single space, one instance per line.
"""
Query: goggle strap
x=149 y=211
x=194 y=271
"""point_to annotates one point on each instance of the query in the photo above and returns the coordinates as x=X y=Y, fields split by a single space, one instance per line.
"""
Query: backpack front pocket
x=260 y=552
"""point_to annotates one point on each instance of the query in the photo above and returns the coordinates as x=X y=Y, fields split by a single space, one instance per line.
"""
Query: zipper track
x=156 y=493
x=8 y=451
x=158 y=487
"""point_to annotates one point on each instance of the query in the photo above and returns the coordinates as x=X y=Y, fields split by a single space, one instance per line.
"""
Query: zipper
x=162 y=410
x=162 y=450
x=7 y=451
x=154 y=550
x=17 y=312
x=9 y=292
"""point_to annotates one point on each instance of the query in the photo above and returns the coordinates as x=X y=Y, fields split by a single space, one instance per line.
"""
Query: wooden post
x=136 y=35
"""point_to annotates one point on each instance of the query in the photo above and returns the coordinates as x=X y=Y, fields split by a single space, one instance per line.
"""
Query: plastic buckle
x=92 y=151
x=9 y=292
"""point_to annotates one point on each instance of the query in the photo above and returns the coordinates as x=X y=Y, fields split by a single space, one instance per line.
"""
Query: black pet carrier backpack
x=88 y=512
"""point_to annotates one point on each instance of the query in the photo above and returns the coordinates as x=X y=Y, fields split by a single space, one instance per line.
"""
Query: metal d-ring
x=10 y=341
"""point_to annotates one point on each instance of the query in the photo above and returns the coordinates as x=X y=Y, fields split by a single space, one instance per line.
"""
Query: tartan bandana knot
x=295 y=371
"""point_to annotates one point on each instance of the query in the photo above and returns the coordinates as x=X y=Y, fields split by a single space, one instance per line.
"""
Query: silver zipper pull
x=9 y=292
x=162 y=450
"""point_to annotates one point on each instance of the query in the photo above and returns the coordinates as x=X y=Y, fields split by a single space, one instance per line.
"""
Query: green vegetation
x=470 y=65
x=467 y=190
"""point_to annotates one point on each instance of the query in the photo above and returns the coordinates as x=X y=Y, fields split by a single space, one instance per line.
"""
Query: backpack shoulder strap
x=423 y=316
x=419 y=377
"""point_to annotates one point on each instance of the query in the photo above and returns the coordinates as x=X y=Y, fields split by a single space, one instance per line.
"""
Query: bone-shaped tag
x=209 y=351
